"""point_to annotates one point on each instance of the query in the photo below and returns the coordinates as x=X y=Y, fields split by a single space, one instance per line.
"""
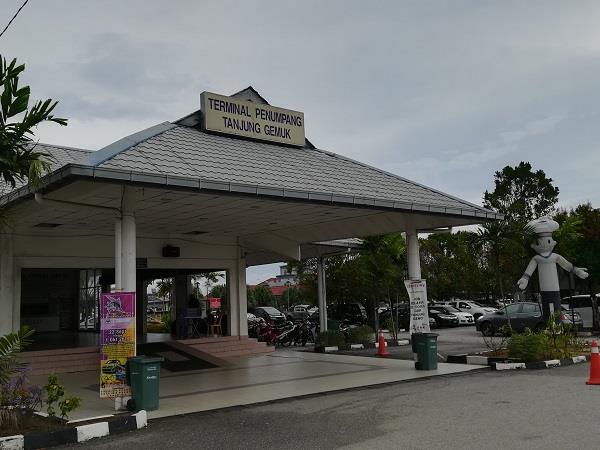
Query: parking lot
x=451 y=341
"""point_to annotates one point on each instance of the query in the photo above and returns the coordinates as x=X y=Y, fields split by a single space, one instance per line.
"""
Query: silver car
x=475 y=309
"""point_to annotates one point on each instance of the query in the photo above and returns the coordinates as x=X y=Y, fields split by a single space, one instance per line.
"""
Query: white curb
x=509 y=366
x=553 y=363
x=579 y=359
x=477 y=360
x=331 y=349
x=141 y=419
x=16 y=442
x=357 y=346
x=91 y=431
x=403 y=342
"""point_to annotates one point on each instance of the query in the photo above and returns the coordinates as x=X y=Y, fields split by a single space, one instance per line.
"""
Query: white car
x=474 y=308
x=464 y=318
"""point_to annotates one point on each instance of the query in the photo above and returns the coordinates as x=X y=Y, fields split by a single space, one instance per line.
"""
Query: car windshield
x=271 y=311
x=476 y=304
x=451 y=309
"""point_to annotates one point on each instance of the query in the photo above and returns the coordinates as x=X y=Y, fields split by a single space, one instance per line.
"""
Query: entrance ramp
x=178 y=357
x=228 y=346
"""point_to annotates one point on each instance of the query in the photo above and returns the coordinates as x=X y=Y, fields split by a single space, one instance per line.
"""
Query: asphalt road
x=546 y=409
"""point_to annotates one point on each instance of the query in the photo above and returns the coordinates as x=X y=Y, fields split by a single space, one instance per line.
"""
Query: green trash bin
x=424 y=346
x=144 y=376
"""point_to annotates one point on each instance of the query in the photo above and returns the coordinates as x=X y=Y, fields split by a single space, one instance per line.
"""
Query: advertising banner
x=117 y=342
x=419 y=314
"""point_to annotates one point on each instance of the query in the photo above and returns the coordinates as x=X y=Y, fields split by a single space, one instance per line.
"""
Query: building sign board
x=229 y=115
x=117 y=342
x=419 y=314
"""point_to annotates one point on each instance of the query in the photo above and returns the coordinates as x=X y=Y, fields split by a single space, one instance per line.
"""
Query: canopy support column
x=128 y=241
x=322 y=293
x=413 y=257
x=238 y=300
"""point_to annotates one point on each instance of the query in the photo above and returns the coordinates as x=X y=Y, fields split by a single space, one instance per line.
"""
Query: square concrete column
x=413 y=256
x=238 y=300
x=128 y=241
x=322 y=293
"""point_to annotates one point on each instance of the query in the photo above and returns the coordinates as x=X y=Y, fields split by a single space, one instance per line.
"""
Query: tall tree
x=19 y=160
x=521 y=194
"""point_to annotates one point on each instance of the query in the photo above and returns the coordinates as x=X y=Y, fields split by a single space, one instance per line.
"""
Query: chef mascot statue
x=546 y=262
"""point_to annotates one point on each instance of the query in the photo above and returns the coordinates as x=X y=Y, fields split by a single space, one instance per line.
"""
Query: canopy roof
x=207 y=186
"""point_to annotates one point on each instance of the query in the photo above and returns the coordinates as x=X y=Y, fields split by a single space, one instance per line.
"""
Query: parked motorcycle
x=270 y=333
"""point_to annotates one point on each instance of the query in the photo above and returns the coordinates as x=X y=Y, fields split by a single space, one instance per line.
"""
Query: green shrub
x=528 y=346
x=361 y=335
x=56 y=395
x=331 y=338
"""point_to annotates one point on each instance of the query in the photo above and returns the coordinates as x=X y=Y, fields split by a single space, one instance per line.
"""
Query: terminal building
x=232 y=185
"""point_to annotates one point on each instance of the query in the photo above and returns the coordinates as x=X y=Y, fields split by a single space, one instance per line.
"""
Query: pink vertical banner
x=117 y=342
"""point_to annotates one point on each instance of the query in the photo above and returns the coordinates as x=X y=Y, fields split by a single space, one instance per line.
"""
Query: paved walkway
x=260 y=379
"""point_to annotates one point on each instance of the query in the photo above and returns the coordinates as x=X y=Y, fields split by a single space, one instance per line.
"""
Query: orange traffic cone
x=594 y=365
x=382 y=350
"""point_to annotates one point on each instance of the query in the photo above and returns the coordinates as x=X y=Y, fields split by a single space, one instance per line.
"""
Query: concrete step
x=61 y=360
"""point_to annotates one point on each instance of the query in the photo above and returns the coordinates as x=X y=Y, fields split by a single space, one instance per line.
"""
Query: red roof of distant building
x=278 y=291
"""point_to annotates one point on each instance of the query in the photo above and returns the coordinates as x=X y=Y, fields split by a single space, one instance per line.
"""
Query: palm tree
x=19 y=161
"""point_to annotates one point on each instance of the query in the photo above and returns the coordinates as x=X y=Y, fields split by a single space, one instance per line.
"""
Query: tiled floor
x=256 y=379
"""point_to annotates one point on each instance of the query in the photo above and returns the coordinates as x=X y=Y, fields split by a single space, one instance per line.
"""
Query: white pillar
x=118 y=255
x=322 y=294
x=7 y=280
x=242 y=297
x=128 y=244
x=238 y=301
x=413 y=258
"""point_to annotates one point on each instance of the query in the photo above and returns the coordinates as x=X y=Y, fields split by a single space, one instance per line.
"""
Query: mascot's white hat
x=544 y=226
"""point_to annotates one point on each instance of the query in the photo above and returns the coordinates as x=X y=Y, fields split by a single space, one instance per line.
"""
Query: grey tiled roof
x=188 y=152
x=57 y=156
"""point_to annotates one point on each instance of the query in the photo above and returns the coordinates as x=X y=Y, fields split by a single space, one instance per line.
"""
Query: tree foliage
x=19 y=160
x=521 y=194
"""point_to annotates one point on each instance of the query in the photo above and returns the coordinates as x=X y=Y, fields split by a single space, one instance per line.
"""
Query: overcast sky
x=443 y=93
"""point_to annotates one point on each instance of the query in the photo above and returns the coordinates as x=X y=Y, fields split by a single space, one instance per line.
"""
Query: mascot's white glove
x=522 y=283
x=581 y=272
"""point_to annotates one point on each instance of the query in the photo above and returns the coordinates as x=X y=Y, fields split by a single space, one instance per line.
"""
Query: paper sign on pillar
x=419 y=313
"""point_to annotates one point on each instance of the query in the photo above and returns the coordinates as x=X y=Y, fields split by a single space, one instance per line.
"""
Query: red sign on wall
x=214 y=302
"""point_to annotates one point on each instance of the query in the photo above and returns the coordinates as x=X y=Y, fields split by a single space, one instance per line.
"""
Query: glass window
x=89 y=299
x=531 y=308
x=513 y=309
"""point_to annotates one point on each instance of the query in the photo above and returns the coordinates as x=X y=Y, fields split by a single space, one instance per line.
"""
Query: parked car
x=298 y=313
x=253 y=325
x=353 y=313
x=474 y=308
x=270 y=314
x=522 y=315
x=569 y=317
x=582 y=304
x=443 y=319
x=400 y=313
x=403 y=317
x=464 y=318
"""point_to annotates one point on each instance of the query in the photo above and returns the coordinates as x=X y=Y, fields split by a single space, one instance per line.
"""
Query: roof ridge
x=398 y=177
x=110 y=151
x=64 y=147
